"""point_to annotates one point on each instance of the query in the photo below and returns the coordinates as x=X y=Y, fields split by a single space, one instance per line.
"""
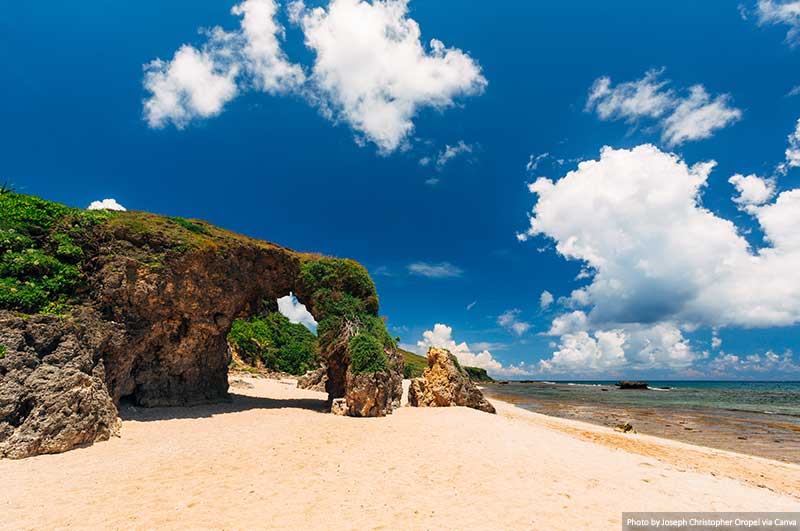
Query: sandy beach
x=272 y=459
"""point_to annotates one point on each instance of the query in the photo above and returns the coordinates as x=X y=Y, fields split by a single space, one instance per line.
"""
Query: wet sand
x=272 y=459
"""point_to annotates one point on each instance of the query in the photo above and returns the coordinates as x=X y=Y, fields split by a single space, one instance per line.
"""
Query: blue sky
x=340 y=130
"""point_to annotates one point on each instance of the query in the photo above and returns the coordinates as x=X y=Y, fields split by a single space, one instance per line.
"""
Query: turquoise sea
x=761 y=418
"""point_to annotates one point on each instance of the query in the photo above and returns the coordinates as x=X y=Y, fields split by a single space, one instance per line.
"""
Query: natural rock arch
x=151 y=321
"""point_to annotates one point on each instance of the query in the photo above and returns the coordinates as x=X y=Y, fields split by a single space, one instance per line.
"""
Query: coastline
x=272 y=459
x=771 y=436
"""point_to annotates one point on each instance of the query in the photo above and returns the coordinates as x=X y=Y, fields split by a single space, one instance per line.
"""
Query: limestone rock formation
x=444 y=383
x=53 y=393
x=145 y=316
x=314 y=380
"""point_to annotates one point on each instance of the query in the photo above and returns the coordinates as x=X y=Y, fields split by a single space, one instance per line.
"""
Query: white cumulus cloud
x=635 y=218
x=106 y=204
x=753 y=190
x=373 y=72
x=197 y=83
x=681 y=118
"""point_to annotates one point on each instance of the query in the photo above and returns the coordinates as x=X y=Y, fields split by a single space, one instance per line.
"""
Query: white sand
x=276 y=463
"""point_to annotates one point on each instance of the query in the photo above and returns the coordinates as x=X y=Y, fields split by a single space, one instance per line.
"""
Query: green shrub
x=2 y=351
x=279 y=344
x=40 y=252
x=367 y=354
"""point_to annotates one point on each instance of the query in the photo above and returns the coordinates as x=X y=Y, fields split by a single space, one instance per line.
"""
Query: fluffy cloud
x=442 y=336
x=635 y=219
x=197 y=83
x=681 y=119
x=731 y=364
x=105 y=204
x=440 y=270
x=784 y=13
x=632 y=346
x=698 y=116
x=291 y=308
x=510 y=320
x=632 y=100
x=545 y=300
x=753 y=190
x=194 y=84
x=372 y=71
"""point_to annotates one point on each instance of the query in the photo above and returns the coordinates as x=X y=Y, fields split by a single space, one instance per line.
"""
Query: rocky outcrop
x=631 y=384
x=444 y=383
x=53 y=393
x=375 y=394
x=150 y=320
x=314 y=380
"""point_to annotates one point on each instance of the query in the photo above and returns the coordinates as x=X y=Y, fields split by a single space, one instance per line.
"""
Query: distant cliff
x=96 y=306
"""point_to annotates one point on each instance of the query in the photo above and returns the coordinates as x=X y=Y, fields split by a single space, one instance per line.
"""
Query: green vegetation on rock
x=41 y=257
x=478 y=375
x=276 y=343
x=346 y=306
x=2 y=351
x=414 y=364
x=367 y=354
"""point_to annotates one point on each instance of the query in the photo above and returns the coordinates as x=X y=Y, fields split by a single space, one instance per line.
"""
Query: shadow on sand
x=237 y=403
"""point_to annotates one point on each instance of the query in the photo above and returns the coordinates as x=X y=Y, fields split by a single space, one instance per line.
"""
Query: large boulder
x=445 y=383
x=53 y=393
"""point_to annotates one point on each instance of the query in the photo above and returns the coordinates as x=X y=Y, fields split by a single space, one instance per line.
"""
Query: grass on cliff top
x=41 y=252
x=45 y=246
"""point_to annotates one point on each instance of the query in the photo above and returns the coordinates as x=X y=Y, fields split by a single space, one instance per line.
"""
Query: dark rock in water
x=314 y=380
x=630 y=384
x=444 y=383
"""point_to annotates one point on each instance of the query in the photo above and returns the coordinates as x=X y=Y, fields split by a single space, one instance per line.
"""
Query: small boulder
x=625 y=427
x=314 y=380
x=444 y=383
x=339 y=407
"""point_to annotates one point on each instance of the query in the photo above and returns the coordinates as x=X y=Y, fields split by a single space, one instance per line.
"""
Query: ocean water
x=757 y=397
x=760 y=418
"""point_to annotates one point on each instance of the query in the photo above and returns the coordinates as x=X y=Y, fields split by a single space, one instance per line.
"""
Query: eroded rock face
x=150 y=325
x=375 y=394
x=314 y=380
x=53 y=393
x=444 y=383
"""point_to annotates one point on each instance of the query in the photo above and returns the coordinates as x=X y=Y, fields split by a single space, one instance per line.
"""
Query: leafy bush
x=276 y=342
x=40 y=252
x=367 y=354
x=2 y=351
